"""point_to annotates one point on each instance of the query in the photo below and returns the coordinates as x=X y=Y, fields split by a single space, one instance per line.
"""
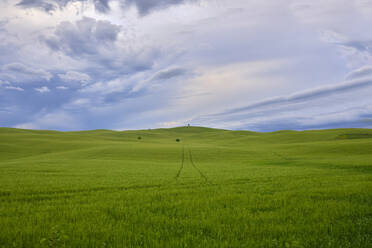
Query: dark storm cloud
x=144 y=7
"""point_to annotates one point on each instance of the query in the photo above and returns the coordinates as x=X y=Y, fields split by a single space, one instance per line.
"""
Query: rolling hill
x=213 y=188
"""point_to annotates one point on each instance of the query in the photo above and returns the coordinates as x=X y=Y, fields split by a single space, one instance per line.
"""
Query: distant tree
x=178 y=140
x=139 y=137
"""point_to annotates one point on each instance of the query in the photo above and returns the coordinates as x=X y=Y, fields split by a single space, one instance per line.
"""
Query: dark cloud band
x=144 y=7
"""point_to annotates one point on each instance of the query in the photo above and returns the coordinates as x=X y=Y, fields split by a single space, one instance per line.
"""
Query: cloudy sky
x=236 y=64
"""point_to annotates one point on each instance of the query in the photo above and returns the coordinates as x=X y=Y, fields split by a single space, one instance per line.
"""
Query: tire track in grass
x=195 y=167
x=182 y=162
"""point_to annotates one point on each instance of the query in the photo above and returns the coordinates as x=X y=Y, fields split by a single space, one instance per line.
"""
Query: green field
x=214 y=188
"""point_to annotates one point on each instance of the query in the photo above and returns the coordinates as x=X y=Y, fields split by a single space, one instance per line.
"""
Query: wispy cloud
x=318 y=107
x=306 y=95
x=361 y=72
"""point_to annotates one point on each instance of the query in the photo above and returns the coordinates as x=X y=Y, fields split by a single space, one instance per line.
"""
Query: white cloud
x=171 y=124
x=19 y=72
x=62 y=88
x=177 y=60
x=4 y=83
x=112 y=86
x=55 y=120
x=81 y=102
x=216 y=87
x=74 y=76
x=8 y=86
x=14 y=88
x=27 y=126
x=42 y=89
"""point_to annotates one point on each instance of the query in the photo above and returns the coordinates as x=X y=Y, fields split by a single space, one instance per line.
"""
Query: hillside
x=213 y=188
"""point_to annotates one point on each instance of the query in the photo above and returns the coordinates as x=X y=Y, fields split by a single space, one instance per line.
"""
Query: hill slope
x=214 y=188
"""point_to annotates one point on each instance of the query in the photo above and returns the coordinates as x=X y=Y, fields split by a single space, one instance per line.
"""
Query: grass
x=213 y=188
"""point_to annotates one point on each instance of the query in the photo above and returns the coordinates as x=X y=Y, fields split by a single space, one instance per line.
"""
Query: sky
x=139 y=64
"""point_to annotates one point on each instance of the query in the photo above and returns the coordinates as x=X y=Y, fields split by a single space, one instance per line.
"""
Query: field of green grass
x=213 y=188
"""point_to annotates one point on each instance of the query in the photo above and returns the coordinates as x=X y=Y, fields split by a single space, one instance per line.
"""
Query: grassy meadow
x=213 y=188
